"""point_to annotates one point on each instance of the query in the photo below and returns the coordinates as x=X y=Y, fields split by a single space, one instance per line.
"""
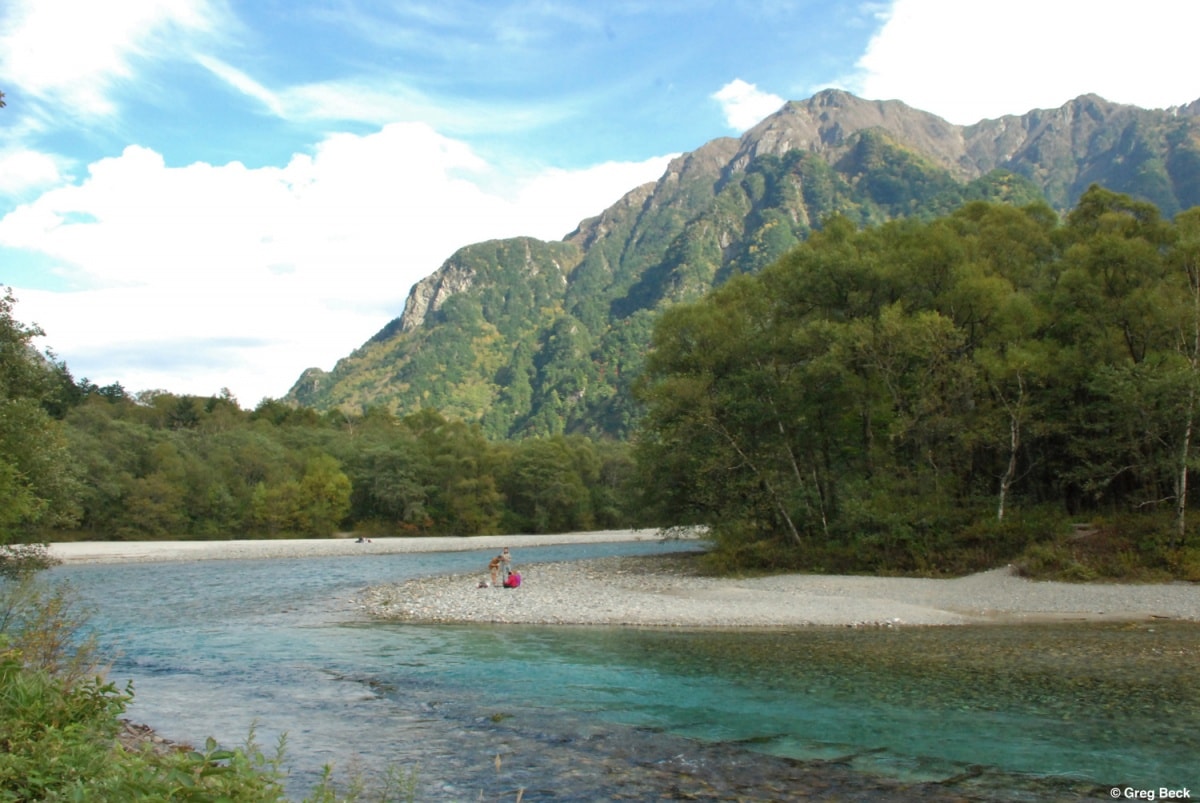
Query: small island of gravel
x=666 y=591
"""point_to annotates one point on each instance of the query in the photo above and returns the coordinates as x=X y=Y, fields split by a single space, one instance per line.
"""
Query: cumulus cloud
x=22 y=170
x=745 y=105
x=296 y=264
x=972 y=61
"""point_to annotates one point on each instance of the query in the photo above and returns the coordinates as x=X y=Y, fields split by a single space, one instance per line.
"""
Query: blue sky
x=208 y=194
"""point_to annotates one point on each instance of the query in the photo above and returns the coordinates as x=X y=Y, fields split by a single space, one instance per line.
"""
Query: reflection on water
x=1010 y=712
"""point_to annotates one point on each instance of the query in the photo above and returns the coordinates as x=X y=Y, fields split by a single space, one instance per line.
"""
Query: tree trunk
x=1185 y=452
x=1014 y=446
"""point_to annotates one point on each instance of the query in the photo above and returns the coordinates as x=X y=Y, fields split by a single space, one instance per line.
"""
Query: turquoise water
x=1003 y=712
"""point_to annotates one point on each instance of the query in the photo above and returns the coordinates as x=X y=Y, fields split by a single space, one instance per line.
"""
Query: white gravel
x=154 y=551
x=655 y=592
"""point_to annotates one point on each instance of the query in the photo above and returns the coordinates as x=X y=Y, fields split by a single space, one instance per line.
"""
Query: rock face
x=526 y=337
x=825 y=124
x=429 y=294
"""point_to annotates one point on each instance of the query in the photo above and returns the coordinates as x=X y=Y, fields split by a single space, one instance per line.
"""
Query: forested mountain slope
x=528 y=337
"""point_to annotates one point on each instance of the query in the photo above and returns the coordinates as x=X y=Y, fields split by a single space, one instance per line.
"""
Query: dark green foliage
x=239 y=474
x=1120 y=547
x=37 y=479
x=867 y=401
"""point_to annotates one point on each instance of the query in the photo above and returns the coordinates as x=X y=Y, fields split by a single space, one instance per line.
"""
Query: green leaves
x=885 y=387
x=37 y=481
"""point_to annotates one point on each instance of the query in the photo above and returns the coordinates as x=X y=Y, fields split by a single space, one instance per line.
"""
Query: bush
x=43 y=626
x=19 y=560
x=1129 y=547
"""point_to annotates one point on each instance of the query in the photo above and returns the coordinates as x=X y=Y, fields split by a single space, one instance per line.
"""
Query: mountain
x=526 y=337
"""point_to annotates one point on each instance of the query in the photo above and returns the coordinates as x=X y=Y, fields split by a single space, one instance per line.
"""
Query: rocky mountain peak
x=526 y=337
x=825 y=123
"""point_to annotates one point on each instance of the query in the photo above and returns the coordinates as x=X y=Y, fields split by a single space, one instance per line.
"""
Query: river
x=1045 y=712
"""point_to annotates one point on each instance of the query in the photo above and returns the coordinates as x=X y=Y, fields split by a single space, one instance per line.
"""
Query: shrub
x=19 y=560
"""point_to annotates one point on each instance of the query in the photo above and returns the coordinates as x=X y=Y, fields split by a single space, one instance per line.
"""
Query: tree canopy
x=37 y=483
x=885 y=390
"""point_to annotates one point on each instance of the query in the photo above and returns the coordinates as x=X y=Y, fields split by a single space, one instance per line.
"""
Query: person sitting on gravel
x=512 y=580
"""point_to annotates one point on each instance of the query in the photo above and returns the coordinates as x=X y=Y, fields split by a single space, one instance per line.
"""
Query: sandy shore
x=654 y=592
x=661 y=592
x=148 y=551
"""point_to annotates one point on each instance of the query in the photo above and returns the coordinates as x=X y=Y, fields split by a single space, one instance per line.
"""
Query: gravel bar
x=663 y=591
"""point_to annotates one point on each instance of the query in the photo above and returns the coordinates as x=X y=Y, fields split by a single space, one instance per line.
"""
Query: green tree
x=544 y=487
x=38 y=487
x=324 y=496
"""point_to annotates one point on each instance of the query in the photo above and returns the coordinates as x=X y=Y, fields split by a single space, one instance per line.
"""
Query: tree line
x=917 y=394
x=81 y=461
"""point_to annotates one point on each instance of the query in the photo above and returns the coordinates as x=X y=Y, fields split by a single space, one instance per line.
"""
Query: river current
x=1030 y=712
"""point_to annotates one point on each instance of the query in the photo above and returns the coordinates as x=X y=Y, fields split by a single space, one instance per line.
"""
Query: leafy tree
x=324 y=496
x=878 y=390
x=38 y=487
x=388 y=483
x=545 y=488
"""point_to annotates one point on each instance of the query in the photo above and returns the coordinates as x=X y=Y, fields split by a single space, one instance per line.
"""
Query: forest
x=931 y=396
x=940 y=396
x=84 y=462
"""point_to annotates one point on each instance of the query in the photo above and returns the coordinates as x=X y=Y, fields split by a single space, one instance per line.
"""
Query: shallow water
x=1005 y=712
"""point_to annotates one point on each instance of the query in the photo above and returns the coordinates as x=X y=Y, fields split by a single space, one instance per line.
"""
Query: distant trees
x=885 y=389
x=84 y=460
x=280 y=472
x=81 y=460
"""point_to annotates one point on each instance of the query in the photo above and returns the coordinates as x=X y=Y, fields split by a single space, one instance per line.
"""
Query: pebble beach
x=666 y=591
x=661 y=591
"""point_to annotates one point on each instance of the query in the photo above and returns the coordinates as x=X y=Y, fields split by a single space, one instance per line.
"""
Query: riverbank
x=666 y=592
x=663 y=591
x=152 y=551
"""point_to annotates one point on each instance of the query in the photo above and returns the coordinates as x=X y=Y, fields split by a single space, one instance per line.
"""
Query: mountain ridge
x=530 y=337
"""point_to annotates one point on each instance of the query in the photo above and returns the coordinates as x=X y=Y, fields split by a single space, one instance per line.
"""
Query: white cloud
x=74 y=52
x=22 y=170
x=379 y=99
x=241 y=82
x=294 y=265
x=745 y=105
x=971 y=61
x=557 y=197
